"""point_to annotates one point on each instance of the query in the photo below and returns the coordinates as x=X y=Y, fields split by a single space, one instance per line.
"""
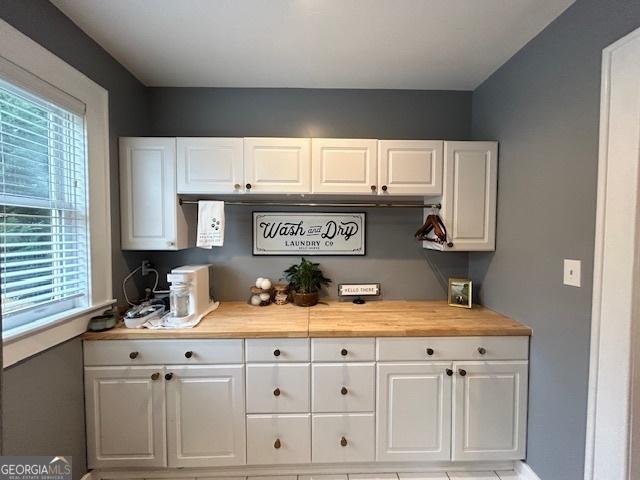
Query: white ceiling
x=406 y=44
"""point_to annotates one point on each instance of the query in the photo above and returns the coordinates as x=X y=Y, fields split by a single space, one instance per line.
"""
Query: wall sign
x=358 y=289
x=291 y=233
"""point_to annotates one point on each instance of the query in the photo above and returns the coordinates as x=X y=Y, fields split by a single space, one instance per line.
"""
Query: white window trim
x=20 y=50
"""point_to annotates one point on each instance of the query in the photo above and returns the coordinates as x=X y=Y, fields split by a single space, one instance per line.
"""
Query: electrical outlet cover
x=572 y=272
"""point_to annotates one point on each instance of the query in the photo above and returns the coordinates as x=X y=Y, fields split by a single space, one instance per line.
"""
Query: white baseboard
x=525 y=472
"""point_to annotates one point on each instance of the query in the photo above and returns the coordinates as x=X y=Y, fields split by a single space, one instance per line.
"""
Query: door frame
x=613 y=432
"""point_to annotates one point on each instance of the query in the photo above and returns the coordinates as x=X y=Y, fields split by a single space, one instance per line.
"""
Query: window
x=44 y=267
x=55 y=209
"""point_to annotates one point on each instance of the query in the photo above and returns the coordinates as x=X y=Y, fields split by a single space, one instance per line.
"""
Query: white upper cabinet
x=205 y=415
x=277 y=165
x=410 y=167
x=489 y=410
x=469 y=195
x=151 y=218
x=344 y=166
x=210 y=165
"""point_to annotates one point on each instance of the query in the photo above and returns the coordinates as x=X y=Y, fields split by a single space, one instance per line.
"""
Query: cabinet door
x=277 y=165
x=413 y=412
x=410 y=167
x=344 y=166
x=150 y=215
x=125 y=410
x=469 y=195
x=489 y=410
x=210 y=165
x=205 y=415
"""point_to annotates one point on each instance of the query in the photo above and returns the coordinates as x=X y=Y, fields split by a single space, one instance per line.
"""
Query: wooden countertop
x=408 y=319
x=335 y=319
x=229 y=320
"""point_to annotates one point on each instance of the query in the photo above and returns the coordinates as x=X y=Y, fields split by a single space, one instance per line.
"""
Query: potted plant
x=305 y=280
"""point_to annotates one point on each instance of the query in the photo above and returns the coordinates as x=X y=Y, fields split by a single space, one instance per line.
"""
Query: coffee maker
x=189 y=297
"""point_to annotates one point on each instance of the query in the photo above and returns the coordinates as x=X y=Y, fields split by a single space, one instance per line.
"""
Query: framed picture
x=460 y=292
x=312 y=233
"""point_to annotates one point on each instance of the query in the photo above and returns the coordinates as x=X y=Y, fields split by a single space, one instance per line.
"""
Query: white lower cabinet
x=338 y=438
x=205 y=415
x=263 y=403
x=414 y=412
x=125 y=416
x=278 y=439
x=490 y=410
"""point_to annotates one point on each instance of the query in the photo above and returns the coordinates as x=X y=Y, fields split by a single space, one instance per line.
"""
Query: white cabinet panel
x=452 y=348
x=162 y=351
x=278 y=388
x=490 y=410
x=339 y=438
x=410 y=167
x=413 y=412
x=344 y=166
x=343 y=349
x=277 y=350
x=125 y=416
x=205 y=415
x=277 y=165
x=278 y=439
x=469 y=195
x=210 y=165
x=151 y=218
x=343 y=387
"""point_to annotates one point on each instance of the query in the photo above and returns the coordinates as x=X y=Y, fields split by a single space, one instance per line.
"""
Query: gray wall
x=43 y=406
x=543 y=107
x=393 y=257
x=43 y=399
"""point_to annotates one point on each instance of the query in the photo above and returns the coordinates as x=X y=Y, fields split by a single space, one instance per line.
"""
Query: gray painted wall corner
x=543 y=108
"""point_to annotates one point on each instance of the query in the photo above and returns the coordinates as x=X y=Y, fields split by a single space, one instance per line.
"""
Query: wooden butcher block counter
x=335 y=319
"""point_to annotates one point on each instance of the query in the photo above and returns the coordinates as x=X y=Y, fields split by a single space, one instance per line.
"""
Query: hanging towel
x=210 y=224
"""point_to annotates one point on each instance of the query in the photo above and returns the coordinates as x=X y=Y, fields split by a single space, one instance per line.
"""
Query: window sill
x=23 y=342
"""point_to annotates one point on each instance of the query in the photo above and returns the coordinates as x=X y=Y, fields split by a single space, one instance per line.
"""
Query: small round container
x=260 y=297
x=100 y=323
x=281 y=293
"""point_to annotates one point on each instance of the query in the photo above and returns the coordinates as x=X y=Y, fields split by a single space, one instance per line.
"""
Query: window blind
x=43 y=208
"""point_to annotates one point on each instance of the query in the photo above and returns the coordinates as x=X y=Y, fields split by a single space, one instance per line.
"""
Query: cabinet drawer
x=278 y=439
x=343 y=350
x=343 y=387
x=273 y=388
x=278 y=350
x=343 y=438
x=452 y=348
x=154 y=352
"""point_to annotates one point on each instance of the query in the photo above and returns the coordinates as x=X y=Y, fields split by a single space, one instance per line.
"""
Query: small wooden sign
x=291 y=233
x=358 y=289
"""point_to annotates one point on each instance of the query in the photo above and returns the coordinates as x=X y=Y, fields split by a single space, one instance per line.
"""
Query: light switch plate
x=572 y=272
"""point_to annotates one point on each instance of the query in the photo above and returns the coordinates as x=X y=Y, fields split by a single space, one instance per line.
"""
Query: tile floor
x=497 y=475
